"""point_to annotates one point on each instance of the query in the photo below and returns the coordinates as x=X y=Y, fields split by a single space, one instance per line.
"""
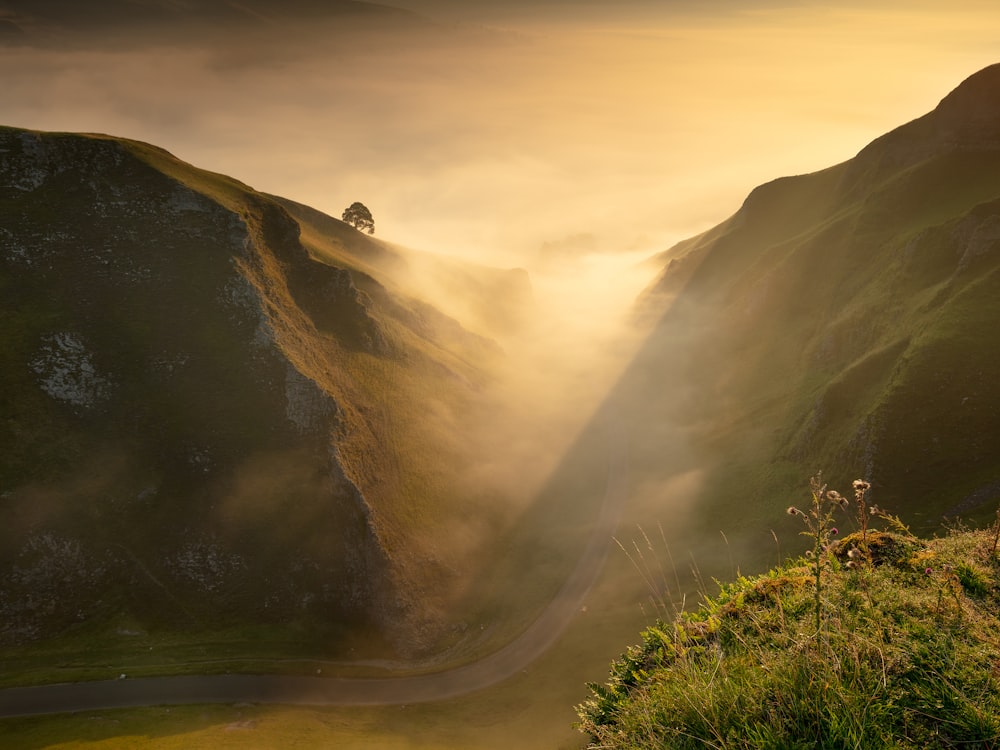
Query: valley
x=269 y=480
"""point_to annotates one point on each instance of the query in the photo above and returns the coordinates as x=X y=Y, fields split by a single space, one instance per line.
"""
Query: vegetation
x=359 y=217
x=855 y=301
x=876 y=640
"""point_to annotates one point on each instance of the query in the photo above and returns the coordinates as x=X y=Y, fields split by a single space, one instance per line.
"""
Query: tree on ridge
x=359 y=217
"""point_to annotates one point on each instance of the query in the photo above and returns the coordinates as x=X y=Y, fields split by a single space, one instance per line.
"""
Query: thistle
x=819 y=527
x=860 y=488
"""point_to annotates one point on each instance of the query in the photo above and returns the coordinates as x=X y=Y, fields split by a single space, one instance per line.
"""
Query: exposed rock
x=67 y=373
x=309 y=407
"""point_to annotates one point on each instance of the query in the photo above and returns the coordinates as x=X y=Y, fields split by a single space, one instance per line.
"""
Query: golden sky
x=503 y=127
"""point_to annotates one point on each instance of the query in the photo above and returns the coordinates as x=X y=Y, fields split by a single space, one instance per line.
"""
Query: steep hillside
x=844 y=320
x=205 y=424
x=494 y=302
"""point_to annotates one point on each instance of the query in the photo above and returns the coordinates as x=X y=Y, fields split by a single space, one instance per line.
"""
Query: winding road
x=328 y=691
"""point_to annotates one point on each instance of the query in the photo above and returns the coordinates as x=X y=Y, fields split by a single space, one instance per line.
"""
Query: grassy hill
x=876 y=640
x=220 y=410
x=844 y=320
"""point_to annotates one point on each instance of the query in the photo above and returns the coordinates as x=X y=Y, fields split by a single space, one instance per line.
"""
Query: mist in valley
x=529 y=163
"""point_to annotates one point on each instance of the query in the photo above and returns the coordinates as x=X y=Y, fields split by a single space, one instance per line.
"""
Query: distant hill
x=217 y=406
x=844 y=320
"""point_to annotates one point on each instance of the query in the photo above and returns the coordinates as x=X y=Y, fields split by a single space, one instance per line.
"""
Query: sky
x=516 y=132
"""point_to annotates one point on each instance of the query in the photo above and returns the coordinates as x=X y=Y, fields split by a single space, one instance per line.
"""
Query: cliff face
x=198 y=418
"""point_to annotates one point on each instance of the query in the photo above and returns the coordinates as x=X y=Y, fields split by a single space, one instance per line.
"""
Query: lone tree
x=359 y=217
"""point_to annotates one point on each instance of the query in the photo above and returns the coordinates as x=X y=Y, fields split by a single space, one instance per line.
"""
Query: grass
x=844 y=330
x=876 y=640
x=99 y=652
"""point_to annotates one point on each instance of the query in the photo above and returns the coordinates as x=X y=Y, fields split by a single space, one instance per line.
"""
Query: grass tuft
x=875 y=640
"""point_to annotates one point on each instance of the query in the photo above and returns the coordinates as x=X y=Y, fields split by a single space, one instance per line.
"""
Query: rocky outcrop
x=181 y=339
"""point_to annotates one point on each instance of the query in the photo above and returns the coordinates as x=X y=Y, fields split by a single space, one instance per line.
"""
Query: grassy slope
x=905 y=656
x=838 y=320
x=403 y=398
x=842 y=320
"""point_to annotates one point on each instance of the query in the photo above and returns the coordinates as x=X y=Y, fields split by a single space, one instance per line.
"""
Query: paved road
x=327 y=691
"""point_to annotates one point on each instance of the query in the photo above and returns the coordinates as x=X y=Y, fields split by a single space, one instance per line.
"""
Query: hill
x=221 y=409
x=842 y=320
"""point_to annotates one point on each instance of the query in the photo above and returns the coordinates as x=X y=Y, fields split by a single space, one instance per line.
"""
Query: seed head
x=854 y=553
x=835 y=497
x=793 y=511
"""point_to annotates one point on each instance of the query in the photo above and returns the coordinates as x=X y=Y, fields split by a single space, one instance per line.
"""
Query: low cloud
x=488 y=143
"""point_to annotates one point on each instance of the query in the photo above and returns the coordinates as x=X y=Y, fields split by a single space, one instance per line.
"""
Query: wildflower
x=861 y=485
x=851 y=565
x=793 y=511
x=853 y=553
x=809 y=554
x=834 y=531
x=928 y=571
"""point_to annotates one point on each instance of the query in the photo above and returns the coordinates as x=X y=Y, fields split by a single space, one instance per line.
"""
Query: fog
x=573 y=139
x=488 y=130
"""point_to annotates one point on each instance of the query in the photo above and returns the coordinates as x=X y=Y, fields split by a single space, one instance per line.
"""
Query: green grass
x=836 y=328
x=99 y=652
x=904 y=657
